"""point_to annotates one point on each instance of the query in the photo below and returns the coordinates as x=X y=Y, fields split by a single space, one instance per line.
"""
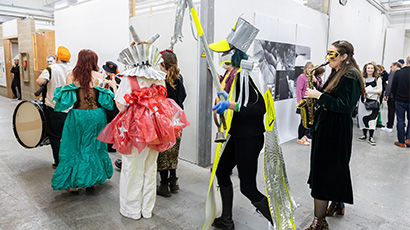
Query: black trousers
x=391 y=112
x=55 y=125
x=242 y=153
x=16 y=88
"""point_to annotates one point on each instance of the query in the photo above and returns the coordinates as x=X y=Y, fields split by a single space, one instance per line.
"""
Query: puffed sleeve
x=65 y=97
x=105 y=98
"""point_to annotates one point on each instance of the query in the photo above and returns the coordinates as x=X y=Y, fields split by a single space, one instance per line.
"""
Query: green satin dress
x=84 y=160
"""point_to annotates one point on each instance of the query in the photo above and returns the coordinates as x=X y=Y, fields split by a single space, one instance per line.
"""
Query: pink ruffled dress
x=151 y=120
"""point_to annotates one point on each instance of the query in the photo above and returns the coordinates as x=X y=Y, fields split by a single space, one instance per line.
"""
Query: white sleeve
x=45 y=75
x=125 y=88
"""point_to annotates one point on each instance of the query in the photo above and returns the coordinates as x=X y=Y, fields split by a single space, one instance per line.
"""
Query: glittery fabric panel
x=281 y=202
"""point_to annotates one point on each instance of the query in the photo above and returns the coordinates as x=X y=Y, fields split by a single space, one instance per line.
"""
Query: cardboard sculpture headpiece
x=241 y=37
x=140 y=61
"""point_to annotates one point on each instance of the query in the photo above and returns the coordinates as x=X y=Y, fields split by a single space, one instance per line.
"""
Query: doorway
x=11 y=52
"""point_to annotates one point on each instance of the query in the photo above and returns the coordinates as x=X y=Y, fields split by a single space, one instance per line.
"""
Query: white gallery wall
x=361 y=24
x=406 y=50
x=99 y=25
x=394 y=45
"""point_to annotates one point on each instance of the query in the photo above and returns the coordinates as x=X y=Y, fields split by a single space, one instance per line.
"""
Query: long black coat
x=329 y=176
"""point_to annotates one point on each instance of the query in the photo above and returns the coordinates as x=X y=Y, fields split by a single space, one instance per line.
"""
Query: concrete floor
x=381 y=183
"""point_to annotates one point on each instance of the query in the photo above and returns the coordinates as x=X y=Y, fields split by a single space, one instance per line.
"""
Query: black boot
x=263 y=207
x=225 y=222
x=173 y=184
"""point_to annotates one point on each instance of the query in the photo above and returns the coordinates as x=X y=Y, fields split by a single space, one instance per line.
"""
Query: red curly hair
x=86 y=63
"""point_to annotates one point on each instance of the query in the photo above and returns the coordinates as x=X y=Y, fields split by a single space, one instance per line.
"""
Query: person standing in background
x=368 y=117
x=401 y=93
x=55 y=76
x=168 y=160
x=51 y=59
x=15 y=84
x=301 y=86
x=319 y=72
x=111 y=70
x=388 y=96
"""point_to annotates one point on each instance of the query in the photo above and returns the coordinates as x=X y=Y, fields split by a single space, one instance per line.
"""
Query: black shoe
x=110 y=149
x=118 y=163
x=173 y=184
x=163 y=190
x=380 y=126
x=54 y=165
x=362 y=138
x=263 y=208
x=225 y=221
x=372 y=142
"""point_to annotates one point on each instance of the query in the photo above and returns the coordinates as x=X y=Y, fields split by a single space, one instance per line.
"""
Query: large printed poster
x=2 y=68
x=281 y=64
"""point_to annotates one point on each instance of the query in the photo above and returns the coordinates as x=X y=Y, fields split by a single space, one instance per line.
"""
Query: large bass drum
x=29 y=124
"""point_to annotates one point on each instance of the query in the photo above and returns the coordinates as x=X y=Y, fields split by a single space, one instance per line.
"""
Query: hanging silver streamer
x=282 y=205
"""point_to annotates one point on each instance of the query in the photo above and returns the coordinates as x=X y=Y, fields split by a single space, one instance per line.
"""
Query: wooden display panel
x=43 y=45
x=8 y=64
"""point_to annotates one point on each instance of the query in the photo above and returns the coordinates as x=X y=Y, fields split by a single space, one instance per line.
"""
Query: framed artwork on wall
x=24 y=68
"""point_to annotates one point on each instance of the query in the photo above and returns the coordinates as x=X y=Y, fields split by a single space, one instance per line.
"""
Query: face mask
x=51 y=61
x=225 y=66
x=332 y=55
x=226 y=57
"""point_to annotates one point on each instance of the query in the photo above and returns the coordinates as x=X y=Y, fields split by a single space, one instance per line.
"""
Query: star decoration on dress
x=122 y=130
x=153 y=110
x=176 y=120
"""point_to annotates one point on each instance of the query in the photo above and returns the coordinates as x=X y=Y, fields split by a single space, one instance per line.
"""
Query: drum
x=29 y=124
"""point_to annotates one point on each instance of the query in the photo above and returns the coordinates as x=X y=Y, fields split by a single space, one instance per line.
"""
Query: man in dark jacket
x=388 y=96
x=401 y=94
x=15 y=84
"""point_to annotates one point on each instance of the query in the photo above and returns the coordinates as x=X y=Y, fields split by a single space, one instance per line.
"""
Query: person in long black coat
x=329 y=177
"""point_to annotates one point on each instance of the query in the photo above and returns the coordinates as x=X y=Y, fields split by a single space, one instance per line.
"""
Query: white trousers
x=138 y=183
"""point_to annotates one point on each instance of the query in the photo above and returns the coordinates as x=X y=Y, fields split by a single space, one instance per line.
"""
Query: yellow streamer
x=270 y=110
x=197 y=22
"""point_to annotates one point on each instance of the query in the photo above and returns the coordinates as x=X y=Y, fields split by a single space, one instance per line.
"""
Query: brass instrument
x=307 y=106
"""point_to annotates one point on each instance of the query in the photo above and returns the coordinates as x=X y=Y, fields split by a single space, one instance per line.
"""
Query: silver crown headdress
x=140 y=59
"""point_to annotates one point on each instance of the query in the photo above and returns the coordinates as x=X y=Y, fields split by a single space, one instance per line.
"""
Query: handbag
x=370 y=104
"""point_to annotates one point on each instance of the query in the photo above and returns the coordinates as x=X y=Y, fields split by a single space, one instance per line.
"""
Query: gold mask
x=332 y=55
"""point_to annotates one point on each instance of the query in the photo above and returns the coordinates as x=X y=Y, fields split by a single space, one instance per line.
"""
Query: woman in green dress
x=329 y=178
x=84 y=160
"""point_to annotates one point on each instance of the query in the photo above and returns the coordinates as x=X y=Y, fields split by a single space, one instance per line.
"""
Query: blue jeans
x=401 y=109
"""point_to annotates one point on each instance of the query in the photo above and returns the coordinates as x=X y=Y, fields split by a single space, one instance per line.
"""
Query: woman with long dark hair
x=84 y=160
x=329 y=177
x=168 y=160
x=368 y=117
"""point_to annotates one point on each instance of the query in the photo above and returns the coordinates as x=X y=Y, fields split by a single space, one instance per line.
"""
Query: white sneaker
x=303 y=142
x=305 y=138
x=371 y=141
x=387 y=130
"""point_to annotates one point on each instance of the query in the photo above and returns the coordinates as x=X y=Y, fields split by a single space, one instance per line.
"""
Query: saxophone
x=307 y=106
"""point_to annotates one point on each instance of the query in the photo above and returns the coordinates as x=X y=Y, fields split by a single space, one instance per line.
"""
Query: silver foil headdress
x=140 y=60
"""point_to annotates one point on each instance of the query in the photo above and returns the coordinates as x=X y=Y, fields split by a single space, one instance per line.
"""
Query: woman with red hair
x=84 y=160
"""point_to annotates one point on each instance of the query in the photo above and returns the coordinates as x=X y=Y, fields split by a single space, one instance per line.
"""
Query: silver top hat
x=241 y=37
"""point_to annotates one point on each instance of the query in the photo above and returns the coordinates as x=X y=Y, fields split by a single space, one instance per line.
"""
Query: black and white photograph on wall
x=302 y=56
x=277 y=64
